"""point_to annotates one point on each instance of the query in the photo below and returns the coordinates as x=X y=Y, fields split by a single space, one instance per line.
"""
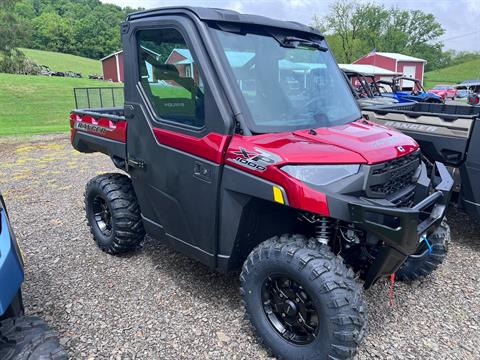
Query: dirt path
x=158 y=304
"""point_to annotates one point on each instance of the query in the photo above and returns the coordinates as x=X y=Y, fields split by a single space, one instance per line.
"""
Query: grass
x=38 y=104
x=64 y=62
x=453 y=74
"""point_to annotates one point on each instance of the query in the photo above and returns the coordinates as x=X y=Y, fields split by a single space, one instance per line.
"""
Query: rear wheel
x=113 y=214
x=425 y=261
x=28 y=338
x=302 y=300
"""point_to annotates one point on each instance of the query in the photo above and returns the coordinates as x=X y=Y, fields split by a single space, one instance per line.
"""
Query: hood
x=355 y=143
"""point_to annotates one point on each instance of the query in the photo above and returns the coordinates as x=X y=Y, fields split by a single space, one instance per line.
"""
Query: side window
x=170 y=77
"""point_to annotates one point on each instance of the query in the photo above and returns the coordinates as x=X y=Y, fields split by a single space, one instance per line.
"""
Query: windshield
x=288 y=88
x=441 y=87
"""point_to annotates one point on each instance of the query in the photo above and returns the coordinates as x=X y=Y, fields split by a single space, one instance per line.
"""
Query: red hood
x=354 y=143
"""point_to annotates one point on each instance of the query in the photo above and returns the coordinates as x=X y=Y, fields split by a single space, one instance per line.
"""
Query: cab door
x=178 y=130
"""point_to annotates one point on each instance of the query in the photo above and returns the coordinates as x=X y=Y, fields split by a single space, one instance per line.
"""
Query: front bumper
x=399 y=228
x=11 y=263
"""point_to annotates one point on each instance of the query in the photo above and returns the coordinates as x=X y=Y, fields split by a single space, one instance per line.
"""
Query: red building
x=113 y=64
x=113 y=67
x=407 y=65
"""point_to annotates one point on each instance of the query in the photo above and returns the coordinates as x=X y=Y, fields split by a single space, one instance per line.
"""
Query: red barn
x=407 y=65
x=113 y=67
x=113 y=64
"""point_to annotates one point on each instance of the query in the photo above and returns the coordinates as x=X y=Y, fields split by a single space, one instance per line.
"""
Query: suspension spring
x=323 y=230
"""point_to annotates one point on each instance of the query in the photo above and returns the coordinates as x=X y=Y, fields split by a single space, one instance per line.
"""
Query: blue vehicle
x=21 y=337
x=417 y=93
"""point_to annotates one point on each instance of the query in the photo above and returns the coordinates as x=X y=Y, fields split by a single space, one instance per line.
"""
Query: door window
x=170 y=77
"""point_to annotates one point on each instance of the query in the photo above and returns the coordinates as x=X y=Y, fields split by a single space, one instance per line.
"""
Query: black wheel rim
x=290 y=310
x=102 y=215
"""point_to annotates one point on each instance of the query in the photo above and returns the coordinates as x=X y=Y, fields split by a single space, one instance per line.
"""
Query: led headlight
x=320 y=174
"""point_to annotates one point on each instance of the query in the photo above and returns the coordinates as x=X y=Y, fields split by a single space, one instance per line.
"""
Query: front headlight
x=320 y=174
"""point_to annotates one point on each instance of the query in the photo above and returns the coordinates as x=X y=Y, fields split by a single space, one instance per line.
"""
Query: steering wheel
x=313 y=101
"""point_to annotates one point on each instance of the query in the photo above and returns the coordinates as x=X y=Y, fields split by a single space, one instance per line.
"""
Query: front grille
x=395 y=163
x=389 y=178
x=393 y=185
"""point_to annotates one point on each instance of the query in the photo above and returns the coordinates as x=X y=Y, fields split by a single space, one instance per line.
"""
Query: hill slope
x=38 y=104
x=454 y=74
x=64 y=62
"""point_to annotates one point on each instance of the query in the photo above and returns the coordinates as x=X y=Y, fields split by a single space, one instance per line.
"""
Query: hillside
x=454 y=74
x=38 y=104
x=64 y=62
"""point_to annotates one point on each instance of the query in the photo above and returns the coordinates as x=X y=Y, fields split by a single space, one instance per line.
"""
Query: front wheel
x=302 y=300
x=427 y=259
x=28 y=338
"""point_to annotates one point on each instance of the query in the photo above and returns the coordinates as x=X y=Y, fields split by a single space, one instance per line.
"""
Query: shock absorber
x=323 y=230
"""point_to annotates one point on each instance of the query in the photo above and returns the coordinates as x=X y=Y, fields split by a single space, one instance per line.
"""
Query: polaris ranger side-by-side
x=446 y=133
x=366 y=93
x=246 y=149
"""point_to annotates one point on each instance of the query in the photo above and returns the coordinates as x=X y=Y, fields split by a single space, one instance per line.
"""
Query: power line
x=461 y=36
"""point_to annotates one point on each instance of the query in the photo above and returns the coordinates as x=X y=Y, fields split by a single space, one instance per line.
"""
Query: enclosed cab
x=245 y=149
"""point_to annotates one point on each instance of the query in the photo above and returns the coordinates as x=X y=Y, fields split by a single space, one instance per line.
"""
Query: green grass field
x=453 y=74
x=64 y=62
x=38 y=104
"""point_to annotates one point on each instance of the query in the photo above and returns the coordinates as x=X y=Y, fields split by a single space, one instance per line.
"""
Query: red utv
x=242 y=146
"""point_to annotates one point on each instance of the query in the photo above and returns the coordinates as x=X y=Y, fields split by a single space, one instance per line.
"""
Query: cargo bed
x=100 y=130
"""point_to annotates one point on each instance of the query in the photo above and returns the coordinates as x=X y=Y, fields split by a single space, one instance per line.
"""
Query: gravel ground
x=158 y=304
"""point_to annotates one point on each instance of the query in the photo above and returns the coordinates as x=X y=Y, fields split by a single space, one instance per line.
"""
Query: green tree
x=52 y=32
x=11 y=60
x=355 y=28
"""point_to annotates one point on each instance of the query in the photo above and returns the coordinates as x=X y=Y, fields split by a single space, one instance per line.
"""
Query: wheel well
x=261 y=220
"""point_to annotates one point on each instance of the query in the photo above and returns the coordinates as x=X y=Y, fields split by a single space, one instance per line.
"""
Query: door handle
x=202 y=171
x=135 y=163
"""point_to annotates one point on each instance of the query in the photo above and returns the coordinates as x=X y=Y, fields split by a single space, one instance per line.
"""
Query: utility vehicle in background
x=444 y=91
x=446 y=133
x=21 y=337
x=397 y=90
x=366 y=93
x=245 y=148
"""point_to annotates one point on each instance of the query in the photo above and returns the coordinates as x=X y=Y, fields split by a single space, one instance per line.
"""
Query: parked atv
x=21 y=337
x=366 y=93
x=395 y=90
x=232 y=165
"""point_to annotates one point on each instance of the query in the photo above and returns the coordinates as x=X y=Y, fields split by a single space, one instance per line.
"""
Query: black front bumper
x=399 y=228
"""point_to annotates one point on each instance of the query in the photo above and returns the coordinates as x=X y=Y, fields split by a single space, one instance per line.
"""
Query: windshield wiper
x=293 y=42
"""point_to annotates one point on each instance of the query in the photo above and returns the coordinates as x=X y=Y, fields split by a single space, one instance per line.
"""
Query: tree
x=343 y=24
x=354 y=29
x=11 y=60
x=81 y=27
x=52 y=32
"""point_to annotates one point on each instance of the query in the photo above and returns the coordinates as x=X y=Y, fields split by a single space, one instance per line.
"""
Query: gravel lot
x=158 y=304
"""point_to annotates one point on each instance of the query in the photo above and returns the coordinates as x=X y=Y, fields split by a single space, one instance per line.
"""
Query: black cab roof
x=225 y=16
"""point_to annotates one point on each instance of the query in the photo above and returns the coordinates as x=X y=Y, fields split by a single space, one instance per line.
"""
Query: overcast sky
x=460 y=18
